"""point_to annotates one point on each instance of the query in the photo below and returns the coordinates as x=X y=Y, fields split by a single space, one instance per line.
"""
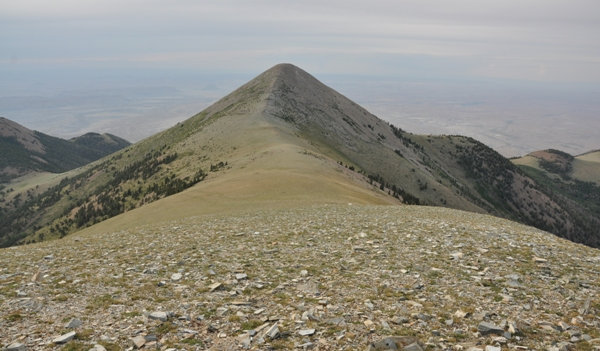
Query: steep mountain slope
x=285 y=139
x=571 y=181
x=453 y=171
x=24 y=151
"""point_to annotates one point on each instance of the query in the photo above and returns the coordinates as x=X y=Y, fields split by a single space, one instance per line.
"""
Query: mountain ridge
x=24 y=151
x=317 y=146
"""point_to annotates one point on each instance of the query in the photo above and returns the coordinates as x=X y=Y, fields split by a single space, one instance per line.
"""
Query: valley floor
x=332 y=277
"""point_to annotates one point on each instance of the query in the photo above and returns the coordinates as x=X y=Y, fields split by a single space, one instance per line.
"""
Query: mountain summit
x=284 y=139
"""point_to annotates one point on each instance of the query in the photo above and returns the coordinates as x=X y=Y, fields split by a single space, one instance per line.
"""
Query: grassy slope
x=268 y=164
x=586 y=167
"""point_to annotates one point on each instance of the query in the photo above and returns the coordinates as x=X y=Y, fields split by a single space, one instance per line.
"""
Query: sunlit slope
x=231 y=155
x=266 y=168
x=586 y=167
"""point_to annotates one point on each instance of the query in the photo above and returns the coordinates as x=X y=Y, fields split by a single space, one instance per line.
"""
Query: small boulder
x=17 y=346
x=396 y=343
x=65 y=338
x=306 y=332
x=138 y=341
x=74 y=323
x=159 y=315
x=486 y=328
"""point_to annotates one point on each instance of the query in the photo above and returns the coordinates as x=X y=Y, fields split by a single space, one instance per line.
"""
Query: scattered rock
x=486 y=328
x=176 y=276
x=106 y=281
x=245 y=341
x=396 y=343
x=37 y=277
x=400 y=320
x=461 y=314
x=214 y=287
x=456 y=255
x=74 y=323
x=241 y=276
x=306 y=332
x=272 y=332
x=138 y=341
x=159 y=315
x=65 y=338
x=16 y=347
x=413 y=347
x=97 y=347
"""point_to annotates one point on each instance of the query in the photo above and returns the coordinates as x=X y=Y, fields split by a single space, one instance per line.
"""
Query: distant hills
x=24 y=151
x=284 y=139
x=555 y=163
x=573 y=181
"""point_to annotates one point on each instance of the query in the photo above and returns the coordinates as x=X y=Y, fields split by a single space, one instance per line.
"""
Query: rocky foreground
x=322 y=278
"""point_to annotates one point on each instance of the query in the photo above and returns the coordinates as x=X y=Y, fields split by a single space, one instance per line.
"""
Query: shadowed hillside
x=569 y=180
x=24 y=151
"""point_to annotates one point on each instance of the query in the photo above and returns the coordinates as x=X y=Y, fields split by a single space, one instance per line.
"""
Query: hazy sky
x=519 y=75
x=539 y=40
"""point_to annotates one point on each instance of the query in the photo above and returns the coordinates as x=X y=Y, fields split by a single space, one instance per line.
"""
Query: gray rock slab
x=138 y=341
x=159 y=315
x=486 y=328
x=413 y=347
x=74 y=323
x=17 y=346
x=65 y=338
x=272 y=332
x=306 y=332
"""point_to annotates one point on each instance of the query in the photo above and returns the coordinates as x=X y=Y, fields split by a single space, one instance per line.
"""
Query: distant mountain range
x=24 y=151
x=285 y=138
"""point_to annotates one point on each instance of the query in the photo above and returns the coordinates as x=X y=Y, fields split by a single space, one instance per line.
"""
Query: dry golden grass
x=586 y=167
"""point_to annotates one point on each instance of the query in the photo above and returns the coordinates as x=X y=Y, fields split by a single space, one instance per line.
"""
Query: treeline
x=111 y=199
x=393 y=190
x=135 y=184
x=492 y=173
x=406 y=141
x=581 y=200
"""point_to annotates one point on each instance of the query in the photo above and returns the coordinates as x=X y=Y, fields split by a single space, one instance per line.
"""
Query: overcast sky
x=519 y=75
x=535 y=40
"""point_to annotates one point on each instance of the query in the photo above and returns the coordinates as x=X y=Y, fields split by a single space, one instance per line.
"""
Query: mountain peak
x=288 y=76
x=284 y=70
